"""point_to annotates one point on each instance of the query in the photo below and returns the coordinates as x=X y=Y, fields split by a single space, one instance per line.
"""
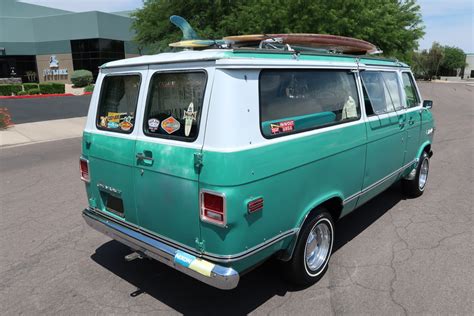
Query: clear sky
x=450 y=22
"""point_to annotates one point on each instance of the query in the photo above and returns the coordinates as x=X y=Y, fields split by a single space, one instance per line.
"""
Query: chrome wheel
x=423 y=177
x=318 y=246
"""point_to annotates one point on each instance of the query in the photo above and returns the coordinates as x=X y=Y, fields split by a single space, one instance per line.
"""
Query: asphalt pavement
x=392 y=256
x=46 y=109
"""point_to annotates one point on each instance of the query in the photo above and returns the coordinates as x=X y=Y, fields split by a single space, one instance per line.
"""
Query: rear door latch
x=197 y=162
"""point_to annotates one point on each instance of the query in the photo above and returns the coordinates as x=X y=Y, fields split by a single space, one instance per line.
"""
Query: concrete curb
x=38 y=132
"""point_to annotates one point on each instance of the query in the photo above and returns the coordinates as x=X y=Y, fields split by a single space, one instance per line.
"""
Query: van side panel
x=290 y=172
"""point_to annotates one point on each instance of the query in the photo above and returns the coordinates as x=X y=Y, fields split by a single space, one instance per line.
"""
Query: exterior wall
x=469 y=67
x=65 y=62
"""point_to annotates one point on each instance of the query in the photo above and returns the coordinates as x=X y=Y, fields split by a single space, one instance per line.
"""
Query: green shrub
x=59 y=87
x=28 y=86
x=34 y=91
x=89 y=88
x=9 y=89
x=52 y=88
x=81 y=78
x=22 y=93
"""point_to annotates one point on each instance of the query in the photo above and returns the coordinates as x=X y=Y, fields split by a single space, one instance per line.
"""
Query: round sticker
x=153 y=125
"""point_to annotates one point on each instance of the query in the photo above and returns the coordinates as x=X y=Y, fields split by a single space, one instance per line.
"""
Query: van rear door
x=109 y=141
x=166 y=180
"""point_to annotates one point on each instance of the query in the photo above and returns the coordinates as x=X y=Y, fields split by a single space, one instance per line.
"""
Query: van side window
x=383 y=91
x=118 y=103
x=174 y=105
x=300 y=100
x=411 y=94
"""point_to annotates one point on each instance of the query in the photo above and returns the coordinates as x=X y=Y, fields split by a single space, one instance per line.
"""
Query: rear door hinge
x=200 y=245
x=198 y=162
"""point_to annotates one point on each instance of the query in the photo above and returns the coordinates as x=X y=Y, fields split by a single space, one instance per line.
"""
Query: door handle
x=411 y=122
x=141 y=156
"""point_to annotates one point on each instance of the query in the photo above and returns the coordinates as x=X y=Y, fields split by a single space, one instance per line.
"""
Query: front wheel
x=416 y=186
x=312 y=251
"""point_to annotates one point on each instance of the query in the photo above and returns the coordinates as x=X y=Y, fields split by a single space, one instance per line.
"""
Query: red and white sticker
x=282 y=127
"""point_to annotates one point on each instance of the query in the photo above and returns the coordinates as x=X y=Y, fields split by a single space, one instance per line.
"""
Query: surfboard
x=301 y=41
x=195 y=43
x=347 y=45
x=189 y=116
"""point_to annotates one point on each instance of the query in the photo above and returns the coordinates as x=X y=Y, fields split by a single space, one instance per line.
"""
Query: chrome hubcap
x=318 y=246
x=423 y=174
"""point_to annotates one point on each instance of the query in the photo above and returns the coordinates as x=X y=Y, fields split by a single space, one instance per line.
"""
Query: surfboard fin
x=185 y=27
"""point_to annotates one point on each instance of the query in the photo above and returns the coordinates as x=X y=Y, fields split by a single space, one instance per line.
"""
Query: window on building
x=174 y=105
x=118 y=103
x=299 y=100
x=90 y=54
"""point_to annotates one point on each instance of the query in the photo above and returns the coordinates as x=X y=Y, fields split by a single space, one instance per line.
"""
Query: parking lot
x=393 y=256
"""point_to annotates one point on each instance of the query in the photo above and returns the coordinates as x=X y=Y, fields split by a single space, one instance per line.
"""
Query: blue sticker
x=112 y=125
x=183 y=258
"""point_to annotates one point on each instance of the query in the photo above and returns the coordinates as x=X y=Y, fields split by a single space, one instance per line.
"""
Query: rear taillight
x=84 y=168
x=213 y=208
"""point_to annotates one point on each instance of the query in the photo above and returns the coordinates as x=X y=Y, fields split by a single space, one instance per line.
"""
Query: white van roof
x=253 y=57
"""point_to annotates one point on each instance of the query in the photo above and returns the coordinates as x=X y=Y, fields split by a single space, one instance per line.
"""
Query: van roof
x=229 y=56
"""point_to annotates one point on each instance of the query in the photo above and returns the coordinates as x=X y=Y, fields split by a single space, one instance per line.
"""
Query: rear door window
x=300 y=100
x=382 y=92
x=118 y=103
x=174 y=105
x=411 y=94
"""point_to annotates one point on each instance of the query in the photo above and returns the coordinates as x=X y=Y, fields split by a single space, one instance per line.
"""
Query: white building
x=469 y=69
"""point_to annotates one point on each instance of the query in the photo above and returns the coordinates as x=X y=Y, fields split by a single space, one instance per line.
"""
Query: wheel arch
x=426 y=146
x=333 y=203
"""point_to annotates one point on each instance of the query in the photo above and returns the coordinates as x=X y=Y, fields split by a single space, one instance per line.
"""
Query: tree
x=394 y=26
x=454 y=60
x=438 y=60
x=426 y=64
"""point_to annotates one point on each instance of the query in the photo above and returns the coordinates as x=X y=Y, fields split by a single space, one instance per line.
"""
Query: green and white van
x=213 y=161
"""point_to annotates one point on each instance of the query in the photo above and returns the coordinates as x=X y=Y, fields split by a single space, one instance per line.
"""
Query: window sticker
x=112 y=125
x=115 y=120
x=189 y=116
x=126 y=123
x=170 y=125
x=153 y=124
x=281 y=127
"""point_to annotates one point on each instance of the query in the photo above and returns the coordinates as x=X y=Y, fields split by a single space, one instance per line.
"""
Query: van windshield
x=174 y=105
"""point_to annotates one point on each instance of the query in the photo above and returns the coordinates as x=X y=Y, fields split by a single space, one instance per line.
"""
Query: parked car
x=213 y=161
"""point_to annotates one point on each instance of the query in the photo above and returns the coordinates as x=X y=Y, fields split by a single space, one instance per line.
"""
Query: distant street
x=46 y=109
x=393 y=256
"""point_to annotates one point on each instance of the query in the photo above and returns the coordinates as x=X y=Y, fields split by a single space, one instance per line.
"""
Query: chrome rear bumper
x=215 y=275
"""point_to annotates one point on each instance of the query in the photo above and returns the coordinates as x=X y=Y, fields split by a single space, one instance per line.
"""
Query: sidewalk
x=42 y=131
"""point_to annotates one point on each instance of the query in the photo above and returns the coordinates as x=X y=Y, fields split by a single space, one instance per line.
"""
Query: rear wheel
x=312 y=251
x=416 y=186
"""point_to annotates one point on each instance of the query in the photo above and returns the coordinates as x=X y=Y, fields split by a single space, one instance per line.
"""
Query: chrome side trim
x=379 y=182
x=205 y=255
x=253 y=250
x=221 y=277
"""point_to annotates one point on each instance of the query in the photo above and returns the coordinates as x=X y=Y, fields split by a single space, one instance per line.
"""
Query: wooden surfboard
x=341 y=44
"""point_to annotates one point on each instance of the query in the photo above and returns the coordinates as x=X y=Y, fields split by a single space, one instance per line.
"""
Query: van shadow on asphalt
x=189 y=296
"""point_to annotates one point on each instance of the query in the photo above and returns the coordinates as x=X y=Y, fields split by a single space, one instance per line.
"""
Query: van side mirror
x=427 y=104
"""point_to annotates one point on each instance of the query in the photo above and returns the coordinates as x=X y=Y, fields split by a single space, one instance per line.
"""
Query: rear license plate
x=114 y=205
